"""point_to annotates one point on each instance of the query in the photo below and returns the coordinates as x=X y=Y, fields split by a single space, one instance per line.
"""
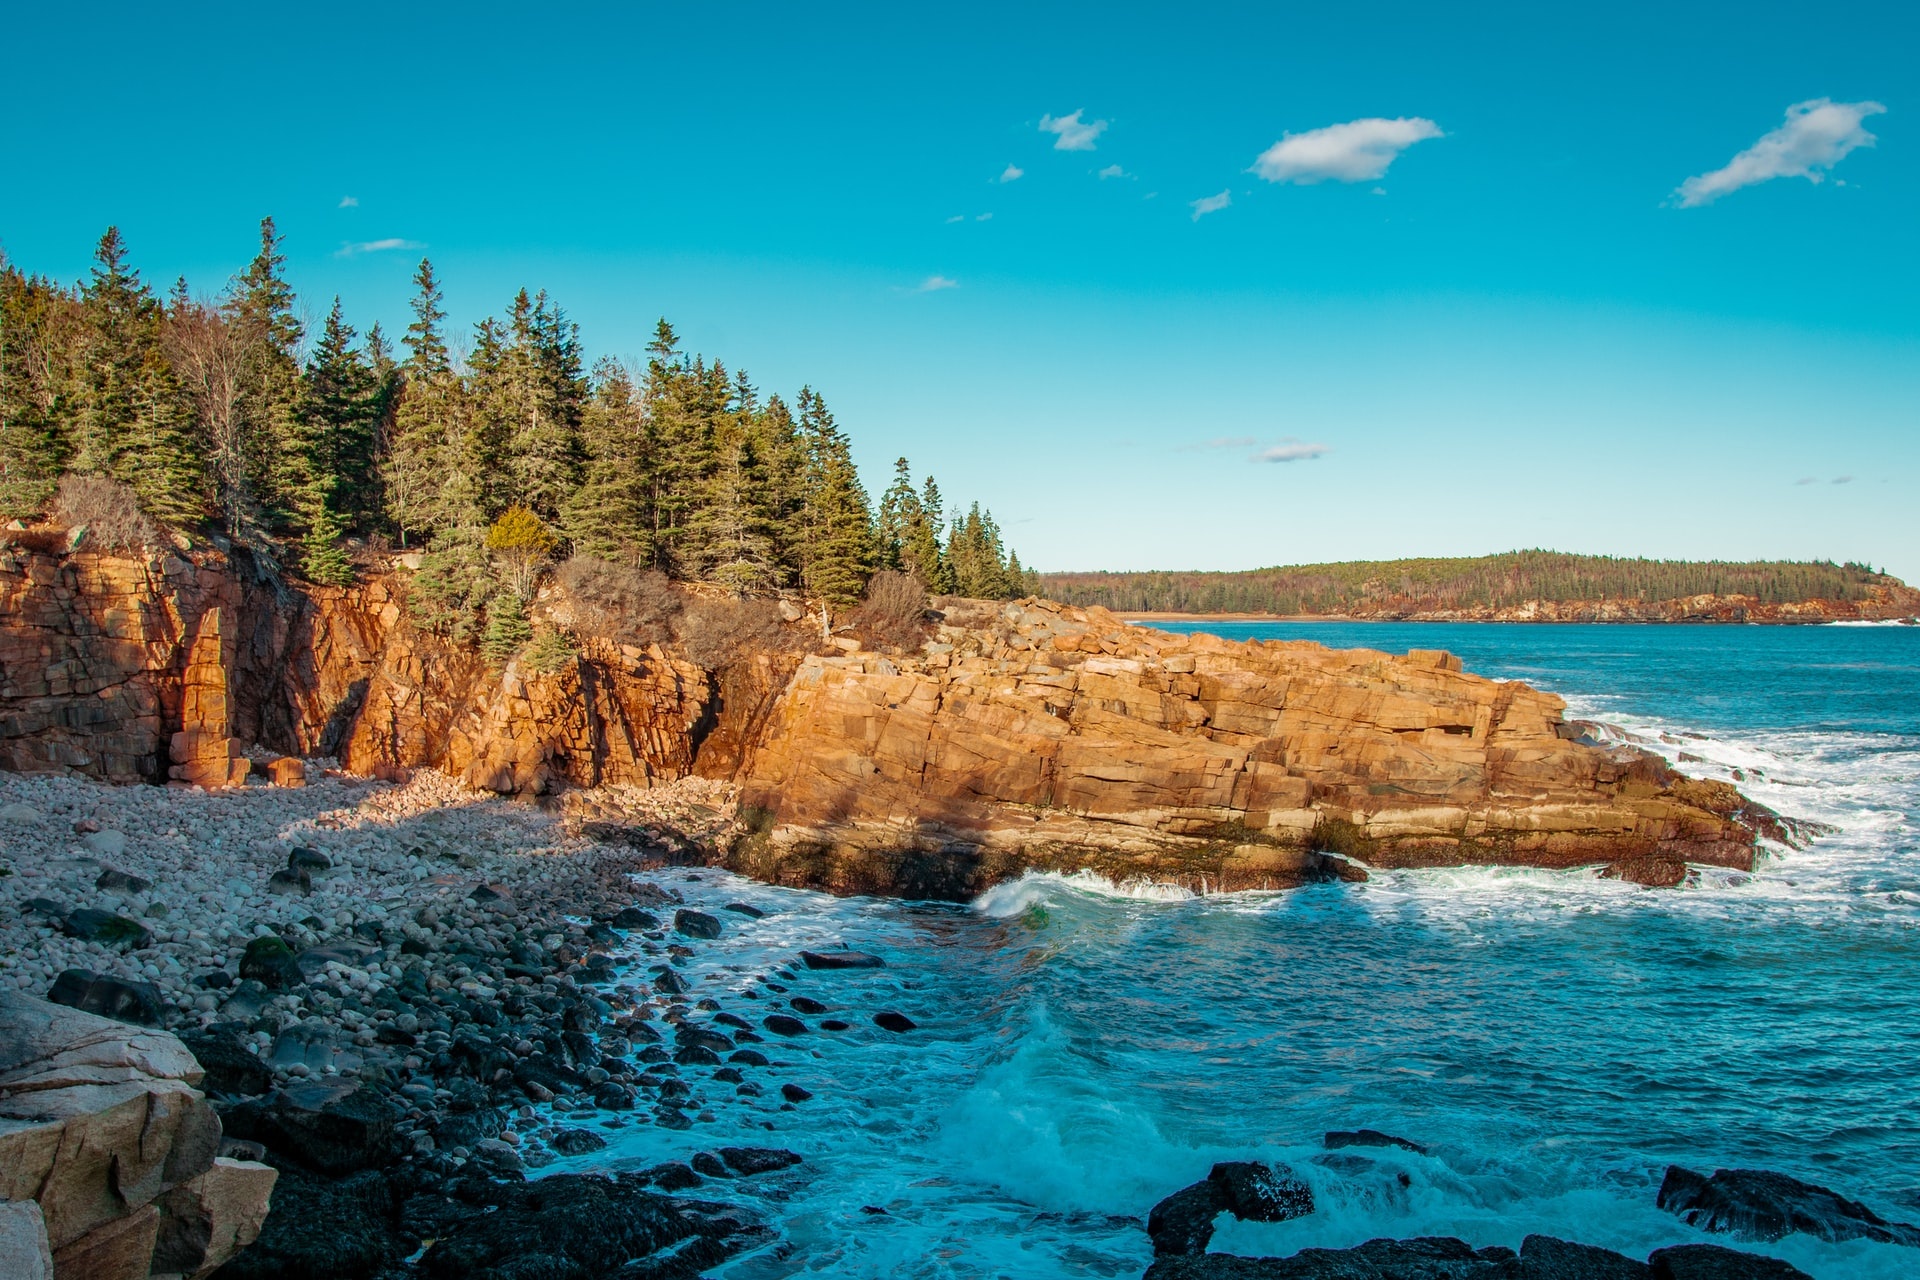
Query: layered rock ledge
x=1035 y=735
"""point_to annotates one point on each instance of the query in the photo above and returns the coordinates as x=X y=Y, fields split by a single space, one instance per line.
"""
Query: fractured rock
x=1757 y=1204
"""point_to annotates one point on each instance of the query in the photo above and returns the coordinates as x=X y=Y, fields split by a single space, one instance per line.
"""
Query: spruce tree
x=922 y=550
x=899 y=507
x=837 y=547
x=336 y=416
x=607 y=516
x=259 y=309
x=35 y=320
x=424 y=414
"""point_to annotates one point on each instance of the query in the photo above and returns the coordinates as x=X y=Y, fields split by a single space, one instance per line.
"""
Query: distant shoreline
x=1133 y=616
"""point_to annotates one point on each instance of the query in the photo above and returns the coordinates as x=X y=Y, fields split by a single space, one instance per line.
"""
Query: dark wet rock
x=672 y=1176
x=1757 y=1204
x=805 y=1004
x=230 y=1068
x=335 y=1127
x=94 y=925
x=733 y=1020
x=695 y=924
x=214 y=980
x=54 y=911
x=321 y=1228
x=576 y=1142
x=271 y=962
x=747 y=1161
x=695 y=1055
x=613 y=1096
x=670 y=983
x=729 y=1075
x=1182 y=1224
x=121 y=882
x=635 y=918
x=898 y=1023
x=303 y=858
x=485 y=893
x=835 y=1024
x=794 y=1093
x=745 y=909
x=783 y=1025
x=708 y=1165
x=1713 y=1262
x=840 y=960
x=1256 y=1192
x=1339 y=1138
x=749 y=1058
x=1427 y=1258
x=1547 y=1258
x=290 y=882
x=566 y=1227
x=137 y=1002
x=687 y=1034
x=1650 y=872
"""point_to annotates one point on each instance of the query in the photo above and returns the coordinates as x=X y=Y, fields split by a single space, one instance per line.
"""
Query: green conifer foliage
x=36 y=322
x=336 y=419
x=425 y=416
x=837 y=528
x=266 y=335
x=607 y=517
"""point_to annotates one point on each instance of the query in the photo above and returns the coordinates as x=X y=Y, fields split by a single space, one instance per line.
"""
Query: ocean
x=1553 y=1040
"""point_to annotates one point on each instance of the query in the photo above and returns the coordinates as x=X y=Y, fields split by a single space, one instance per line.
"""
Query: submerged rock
x=840 y=960
x=1339 y=1138
x=1713 y=1262
x=1756 y=1204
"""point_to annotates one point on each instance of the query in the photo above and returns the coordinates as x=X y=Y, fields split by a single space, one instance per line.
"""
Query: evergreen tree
x=899 y=506
x=837 y=528
x=607 y=517
x=337 y=419
x=425 y=414
x=267 y=335
x=130 y=419
x=921 y=546
x=36 y=319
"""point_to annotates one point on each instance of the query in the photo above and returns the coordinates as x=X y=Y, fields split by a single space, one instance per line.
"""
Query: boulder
x=784 y=1024
x=1756 y=1204
x=290 y=882
x=113 y=881
x=1547 y=1258
x=563 y=1227
x=323 y=1228
x=106 y=928
x=696 y=924
x=287 y=771
x=1713 y=1262
x=271 y=962
x=335 y=1126
x=1425 y=1258
x=24 y=1253
x=1339 y=1138
x=576 y=1142
x=840 y=960
x=303 y=858
x=635 y=918
x=748 y=910
x=1183 y=1222
x=208 y=1219
x=115 y=998
x=898 y=1023
x=102 y=1122
x=747 y=1161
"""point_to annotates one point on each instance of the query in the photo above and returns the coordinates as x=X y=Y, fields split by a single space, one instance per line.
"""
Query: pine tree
x=837 y=545
x=424 y=414
x=921 y=551
x=35 y=323
x=130 y=417
x=267 y=335
x=899 y=507
x=336 y=416
x=607 y=516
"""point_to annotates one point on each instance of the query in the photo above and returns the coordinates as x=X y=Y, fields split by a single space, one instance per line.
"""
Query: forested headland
x=1475 y=585
x=224 y=415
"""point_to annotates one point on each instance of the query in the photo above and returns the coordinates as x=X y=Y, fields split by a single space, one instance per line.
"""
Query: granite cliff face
x=181 y=665
x=1051 y=737
x=1023 y=736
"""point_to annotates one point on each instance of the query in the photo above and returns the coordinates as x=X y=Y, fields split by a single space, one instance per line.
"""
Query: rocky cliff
x=1025 y=735
x=1035 y=735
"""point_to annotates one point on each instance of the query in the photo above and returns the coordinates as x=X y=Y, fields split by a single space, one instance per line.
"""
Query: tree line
x=1496 y=581
x=221 y=413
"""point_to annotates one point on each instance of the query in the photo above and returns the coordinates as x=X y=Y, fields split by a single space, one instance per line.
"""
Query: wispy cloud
x=1289 y=451
x=933 y=284
x=1210 y=204
x=1817 y=135
x=958 y=217
x=1807 y=480
x=1357 y=151
x=349 y=202
x=1071 y=133
x=983 y=217
x=1224 y=442
x=1012 y=173
x=1114 y=171
x=352 y=248
x=1843 y=479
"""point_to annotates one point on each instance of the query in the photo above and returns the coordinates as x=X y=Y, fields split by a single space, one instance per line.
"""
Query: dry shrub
x=893 y=614
x=720 y=633
x=109 y=511
x=636 y=606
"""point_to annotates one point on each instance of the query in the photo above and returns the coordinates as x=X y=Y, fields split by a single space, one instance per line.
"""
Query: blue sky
x=1475 y=277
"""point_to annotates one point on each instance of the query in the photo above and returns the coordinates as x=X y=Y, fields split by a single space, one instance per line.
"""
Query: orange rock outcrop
x=1051 y=737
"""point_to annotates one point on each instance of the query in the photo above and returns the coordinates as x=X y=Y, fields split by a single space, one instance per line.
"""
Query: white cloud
x=1817 y=135
x=1357 y=151
x=983 y=217
x=1210 y=204
x=958 y=217
x=1113 y=171
x=1843 y=479
x=349 y=202
x=1012 y=173
x=349 y=249
x=933 y=284
x=1071 y=133
x=1288 y=451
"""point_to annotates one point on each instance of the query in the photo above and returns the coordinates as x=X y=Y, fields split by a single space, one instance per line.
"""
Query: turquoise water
x=1554 y=1039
